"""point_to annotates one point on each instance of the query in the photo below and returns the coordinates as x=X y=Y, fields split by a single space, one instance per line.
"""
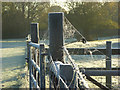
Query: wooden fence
x=37 y=54
x=108 y=71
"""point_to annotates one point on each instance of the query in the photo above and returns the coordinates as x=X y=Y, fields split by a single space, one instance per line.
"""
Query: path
x=13 y=63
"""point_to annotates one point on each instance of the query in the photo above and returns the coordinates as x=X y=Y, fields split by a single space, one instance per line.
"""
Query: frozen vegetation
x=13 y=61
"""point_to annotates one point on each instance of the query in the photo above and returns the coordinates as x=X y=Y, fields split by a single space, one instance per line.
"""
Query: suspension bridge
x=57 y=63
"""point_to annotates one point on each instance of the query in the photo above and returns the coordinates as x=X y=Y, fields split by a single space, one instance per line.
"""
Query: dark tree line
x=93 y=19
x=16 y=18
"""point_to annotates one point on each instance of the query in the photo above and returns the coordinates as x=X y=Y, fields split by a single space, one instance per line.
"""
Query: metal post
x=35 y=32
x=42 y=67
x=55 y=27
x=108 y=63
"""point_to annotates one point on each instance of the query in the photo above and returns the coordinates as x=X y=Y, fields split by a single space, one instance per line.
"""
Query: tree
x=18 y=16
x=93 y=17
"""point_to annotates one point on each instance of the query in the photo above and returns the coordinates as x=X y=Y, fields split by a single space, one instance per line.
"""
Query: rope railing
x=36 y=70
x=83 y=82
x=54 y=70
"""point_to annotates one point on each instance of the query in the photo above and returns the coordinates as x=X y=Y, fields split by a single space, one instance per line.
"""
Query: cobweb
x=70 y=33
x=88 y=60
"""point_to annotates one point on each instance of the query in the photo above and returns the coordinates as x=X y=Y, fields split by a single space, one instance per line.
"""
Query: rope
x=54 y=70
x=84 y=40
x=72 y=79
x=58 y=76
x=76 y=68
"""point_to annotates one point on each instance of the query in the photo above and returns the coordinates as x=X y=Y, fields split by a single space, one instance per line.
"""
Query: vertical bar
x=50 y=84
x=42 y=67
x=35 y=32
x=30 y=69
x=34 y=57
x=55 y=27
x=38 y=62
x=37 y=73
x=28 y=53
x=108 y=63
x=35 y=39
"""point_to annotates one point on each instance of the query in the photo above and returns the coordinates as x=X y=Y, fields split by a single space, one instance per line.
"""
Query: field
x=13 y=61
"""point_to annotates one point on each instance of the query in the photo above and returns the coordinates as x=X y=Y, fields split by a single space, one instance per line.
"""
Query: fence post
x=30 y=68
x=42 y=67
x=27 y=58
x=108 y=63
x=55 y=27
x=35 y=32
x=34 y=39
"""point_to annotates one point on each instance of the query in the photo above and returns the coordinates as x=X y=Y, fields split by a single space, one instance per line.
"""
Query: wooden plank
x=34 y=45
x=35 y=32
x=98 y=68
x=108 y=63
x=97 y=83
x=64 y=70
x=30 y=69
x=56 y=42
x=34 y=82
x=28 y=53
x=42 y=67
x=35 y=65
x=101 y=72
x=83 y=51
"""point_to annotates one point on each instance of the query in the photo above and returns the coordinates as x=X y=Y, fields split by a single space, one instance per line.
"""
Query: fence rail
x=84 y=51
x=35 y=67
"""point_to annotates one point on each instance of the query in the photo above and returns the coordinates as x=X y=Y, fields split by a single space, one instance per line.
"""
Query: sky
x=62 y=2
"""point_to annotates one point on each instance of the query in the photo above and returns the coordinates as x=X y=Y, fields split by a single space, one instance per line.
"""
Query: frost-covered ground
x=95 y=44
x=97 y=61
x=13 y=63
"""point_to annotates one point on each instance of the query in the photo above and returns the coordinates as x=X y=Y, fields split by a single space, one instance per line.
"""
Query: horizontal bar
x=81 y=51
x=34 y=81
x=35 y=65
x=99 y=68
x=34 y=45
x=101 y=72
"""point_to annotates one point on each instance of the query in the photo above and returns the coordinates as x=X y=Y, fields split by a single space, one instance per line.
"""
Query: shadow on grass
x=13 y=44
x=14 y=81
x=14 y=61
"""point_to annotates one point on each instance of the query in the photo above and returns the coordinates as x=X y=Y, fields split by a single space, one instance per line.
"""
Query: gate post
x=108 y=63
x=35 y=32
x=35 y=39
x=56 y=42
x=42 y=67
x=30 y=69
x=55 y=27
